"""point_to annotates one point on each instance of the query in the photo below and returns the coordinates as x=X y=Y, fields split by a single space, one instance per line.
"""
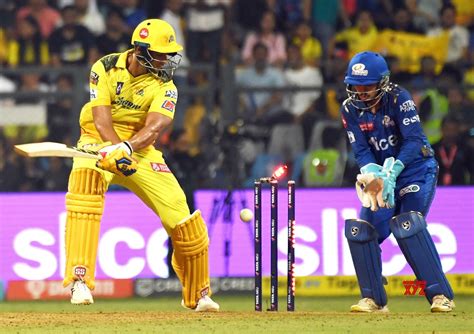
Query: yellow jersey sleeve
x=99 y=86
x=165 y=99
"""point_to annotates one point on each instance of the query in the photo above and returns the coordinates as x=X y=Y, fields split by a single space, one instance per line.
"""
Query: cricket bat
x=51 y=149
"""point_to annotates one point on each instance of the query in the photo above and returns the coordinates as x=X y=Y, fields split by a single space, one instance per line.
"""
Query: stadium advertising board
x=133 y=243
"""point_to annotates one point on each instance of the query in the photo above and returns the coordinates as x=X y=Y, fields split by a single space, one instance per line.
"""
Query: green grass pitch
x=165 y=315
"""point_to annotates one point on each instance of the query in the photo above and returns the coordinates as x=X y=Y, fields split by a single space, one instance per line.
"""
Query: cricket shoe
x=205 y=304
x=368 y=305
x=80 y=294
x=442 y=304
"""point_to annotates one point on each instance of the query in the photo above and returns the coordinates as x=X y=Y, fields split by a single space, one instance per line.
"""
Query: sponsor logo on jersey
x=351 y=136
x=359 y=69
x=172 y=94
x=94 y=78
x=159 y=167
x=144 y=33
x=93 y=94
x=118 y=90
x=127 y=104
x=367 y=126
x=384 y=143
x=407 y=106
x=387 y=121
x=410 y=120
x=168 y=105
x=412 y=188
x=140 y=92
x=344 y=122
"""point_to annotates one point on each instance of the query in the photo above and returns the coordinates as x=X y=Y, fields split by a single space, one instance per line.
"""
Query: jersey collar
x=122 y=60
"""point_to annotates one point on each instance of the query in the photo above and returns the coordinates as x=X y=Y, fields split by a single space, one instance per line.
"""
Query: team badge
x=387 y=121
x=168 y=105
x=140 y=92
x=94 y=78
x=118 y=90
x=171 y=39
x=359 y=69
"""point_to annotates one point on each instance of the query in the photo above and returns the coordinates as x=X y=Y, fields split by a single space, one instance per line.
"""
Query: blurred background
x=260 y=84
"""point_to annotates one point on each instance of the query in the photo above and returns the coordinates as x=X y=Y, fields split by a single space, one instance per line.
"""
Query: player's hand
x=117 y=159
x=390 y=171
x=110 y=148
x=369 y=191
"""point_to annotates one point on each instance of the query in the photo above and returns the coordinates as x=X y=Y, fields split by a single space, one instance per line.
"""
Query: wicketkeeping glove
x=118 y=159
x=390 y=171
x=369 y=191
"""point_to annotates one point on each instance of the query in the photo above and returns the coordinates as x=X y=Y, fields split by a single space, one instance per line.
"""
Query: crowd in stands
x=289 y=59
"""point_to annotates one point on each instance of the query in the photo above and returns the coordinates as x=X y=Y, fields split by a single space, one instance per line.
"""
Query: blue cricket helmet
x=366 y=68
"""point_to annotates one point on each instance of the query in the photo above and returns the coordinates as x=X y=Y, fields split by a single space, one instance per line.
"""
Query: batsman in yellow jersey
x=132 y=99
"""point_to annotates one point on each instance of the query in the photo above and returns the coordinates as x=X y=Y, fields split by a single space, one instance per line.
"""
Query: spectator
x=264 y=106
x=311 y=49
x=133 y=13
x=59 y=112
x=72 y=44
x=403 y=21
x=267 y=35
x=396 y=73
x=47 y=17
x=427 y=76
x=455 y=160
x=324 y=16
x=28 y=48
x=205 y=24
x=301 y=104
x=460 y=107
x=89 y=16
x=31 y=83
x=425 y=13
x=57 y=174
x=115 y=38
x=458 y=35
x=356 y=39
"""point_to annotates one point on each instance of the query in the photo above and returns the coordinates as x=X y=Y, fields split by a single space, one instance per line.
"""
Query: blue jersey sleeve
x=360 y=145
x=412 y=135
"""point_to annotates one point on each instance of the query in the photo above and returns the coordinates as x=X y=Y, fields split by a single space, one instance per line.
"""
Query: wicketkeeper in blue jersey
x=396 y=185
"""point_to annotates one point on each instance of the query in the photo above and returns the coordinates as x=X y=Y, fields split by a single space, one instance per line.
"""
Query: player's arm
x=410 y=127
x=160 y=115
x=360 y=145
x=100 y=101
x=103 y=123
x=154 y=125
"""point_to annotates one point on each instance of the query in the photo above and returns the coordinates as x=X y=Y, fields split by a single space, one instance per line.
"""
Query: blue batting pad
x=420 y=252
x=366 y=256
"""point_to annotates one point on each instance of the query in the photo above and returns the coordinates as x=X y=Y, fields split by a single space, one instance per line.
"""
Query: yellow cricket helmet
x=157 y=36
